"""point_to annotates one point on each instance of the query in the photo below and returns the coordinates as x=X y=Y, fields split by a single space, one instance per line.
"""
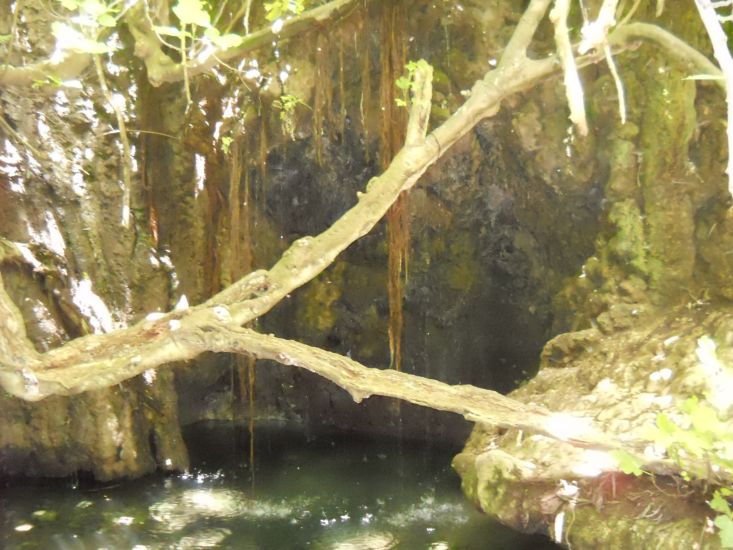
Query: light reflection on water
x=329 y=493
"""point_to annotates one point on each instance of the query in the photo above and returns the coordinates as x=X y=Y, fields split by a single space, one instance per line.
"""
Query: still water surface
x=330 y=492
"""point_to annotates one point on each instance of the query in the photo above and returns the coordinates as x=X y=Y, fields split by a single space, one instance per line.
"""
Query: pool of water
x=327 y=492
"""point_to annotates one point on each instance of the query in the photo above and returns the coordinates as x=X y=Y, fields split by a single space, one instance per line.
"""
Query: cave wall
x=483 y=263
x=496 y=227
x=521 y=231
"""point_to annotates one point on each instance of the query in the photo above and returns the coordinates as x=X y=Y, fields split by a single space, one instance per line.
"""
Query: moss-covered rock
x=622 y=379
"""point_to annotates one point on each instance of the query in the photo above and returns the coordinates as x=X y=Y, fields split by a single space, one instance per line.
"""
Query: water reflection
x=336 y=493
x=376 y=540
x=201 y=505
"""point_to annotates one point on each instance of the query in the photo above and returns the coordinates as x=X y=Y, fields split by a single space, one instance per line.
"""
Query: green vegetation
x=697 y=440
x=406 y=82
x=287 y=104
x=91 y=18
x=282 y=8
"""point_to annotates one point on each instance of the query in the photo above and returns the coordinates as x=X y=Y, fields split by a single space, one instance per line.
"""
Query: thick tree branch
x=160 y=67
x=573 y=87
x=475 y=404
x=68 y=68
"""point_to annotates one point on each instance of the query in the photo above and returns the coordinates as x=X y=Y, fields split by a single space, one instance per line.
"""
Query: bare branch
x=422 y=93
x=678 y=49
x=573 y=87
x=516 y=48
x=475 y=404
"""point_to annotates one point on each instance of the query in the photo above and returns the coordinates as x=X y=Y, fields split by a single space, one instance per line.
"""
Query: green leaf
x=223 y=41
x=50 y=80
x=5 y=38
x=107 y=20
x=665 y=425
x=171 y=31
x=226 y=143
x=628 y=463
x=725 y=526
x=403 y=83
x=192 y=12
x=280 y=8
x=720 y=504
x=690 y=404
x=70 y=5
x=705 y=419
x=695 y=442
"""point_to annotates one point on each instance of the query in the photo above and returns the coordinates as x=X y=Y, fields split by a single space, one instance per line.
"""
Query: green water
x=330 y=492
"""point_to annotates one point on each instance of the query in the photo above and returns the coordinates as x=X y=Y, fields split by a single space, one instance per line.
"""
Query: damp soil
x=325 y=491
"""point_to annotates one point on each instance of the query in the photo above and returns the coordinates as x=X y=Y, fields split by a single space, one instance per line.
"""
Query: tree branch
x=675 y=47
x=162 y=69
x=573 y=87
x=102 y=360
x=474 y=404
x=68 y=68
x=516 y=50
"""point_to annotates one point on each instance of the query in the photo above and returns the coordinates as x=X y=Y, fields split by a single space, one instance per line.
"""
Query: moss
x=715 y=242
x=462 y=271
x=622 y=182
x=668 y=124
x=441 y=81
x=316 y=309
x=627 y=243
x=590 y=529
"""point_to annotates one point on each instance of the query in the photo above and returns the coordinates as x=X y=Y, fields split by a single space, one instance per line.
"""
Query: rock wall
x=639 y=309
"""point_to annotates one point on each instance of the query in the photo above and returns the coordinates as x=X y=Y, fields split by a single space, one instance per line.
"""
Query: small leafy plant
x=701 y=443
x=192 y=15
x=282 y=8
x=91 y=17
x=406 y=82
x=287 y=104
x=724 y=520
